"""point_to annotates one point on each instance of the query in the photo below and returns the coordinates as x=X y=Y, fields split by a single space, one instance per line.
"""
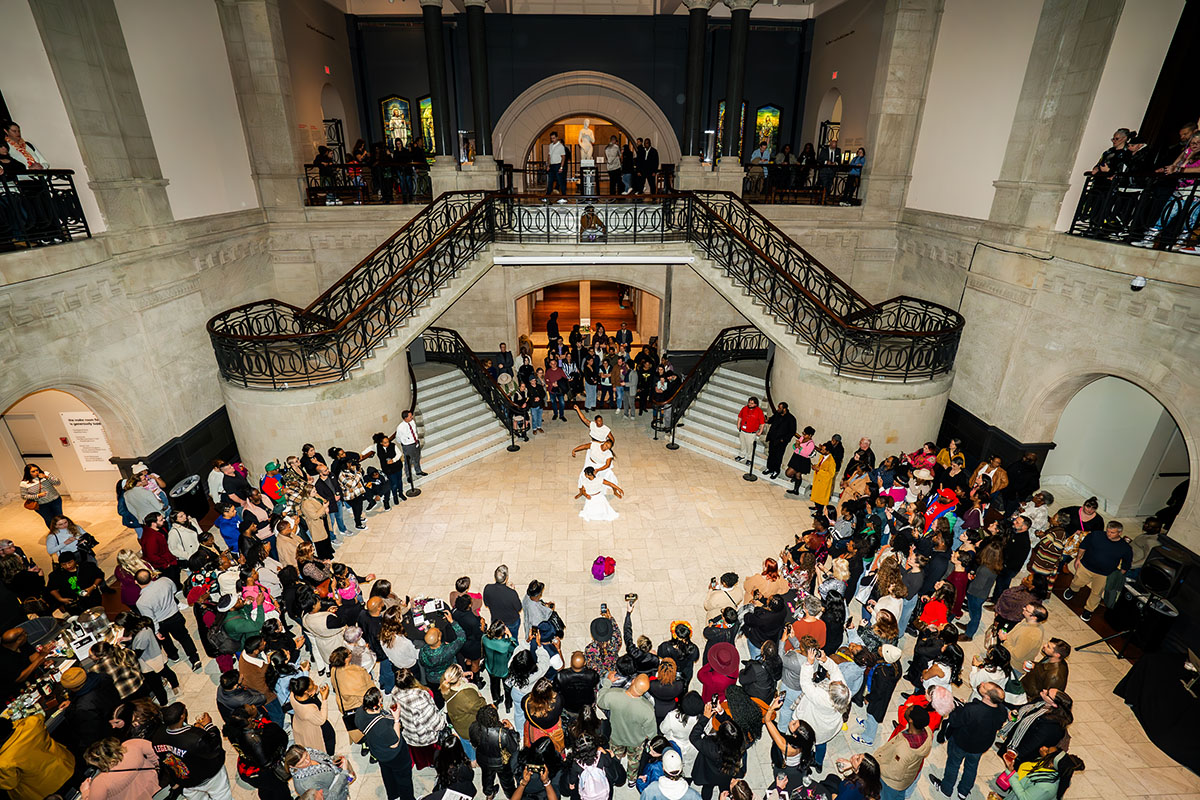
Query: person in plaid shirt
x=120 y=664
x=294 y=481
x=601 y=653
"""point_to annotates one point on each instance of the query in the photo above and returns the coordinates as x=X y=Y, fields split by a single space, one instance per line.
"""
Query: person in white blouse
x=410 y=443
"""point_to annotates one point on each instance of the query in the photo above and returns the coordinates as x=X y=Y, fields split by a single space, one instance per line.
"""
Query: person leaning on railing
x=1183 y=199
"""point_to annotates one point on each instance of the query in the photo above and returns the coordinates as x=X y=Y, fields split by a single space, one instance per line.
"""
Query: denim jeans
x=906 y=612
x=556 y=178
x=558 y=405
x=888 y=793
x=335 y=516
x=870 y=728
x=394 y=489
x=819 y=756
x=536 y=414
x=955 y=756
x=975 y=610
x=387 y=675
x=619 y=394
x=589 y=394
x=755 y=650
x=790 y=696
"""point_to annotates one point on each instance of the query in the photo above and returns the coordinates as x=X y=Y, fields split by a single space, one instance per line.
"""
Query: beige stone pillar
x=88 y=55
x=258 y=61
x=910 y=29
x=1070 y=49
x=585 y=301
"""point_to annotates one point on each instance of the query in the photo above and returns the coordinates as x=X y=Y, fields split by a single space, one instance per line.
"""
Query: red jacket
x=154 y=549
x=750 y=419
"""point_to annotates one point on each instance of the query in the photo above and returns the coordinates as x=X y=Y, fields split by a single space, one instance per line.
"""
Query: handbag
x=560 y=627
x=31 y=504
x=864 y=591
x=352 y=730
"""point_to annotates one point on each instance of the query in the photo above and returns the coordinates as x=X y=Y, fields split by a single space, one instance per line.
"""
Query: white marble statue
x=586 y=140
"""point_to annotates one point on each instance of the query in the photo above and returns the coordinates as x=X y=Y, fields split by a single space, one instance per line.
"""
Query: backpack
x=219 y=639
x=593 y=783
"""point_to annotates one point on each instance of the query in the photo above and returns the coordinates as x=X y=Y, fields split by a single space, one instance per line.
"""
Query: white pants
x=745 y=443
x=215 y=788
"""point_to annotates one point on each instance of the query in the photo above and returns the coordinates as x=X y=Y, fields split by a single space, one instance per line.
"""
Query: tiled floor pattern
x=684 y=518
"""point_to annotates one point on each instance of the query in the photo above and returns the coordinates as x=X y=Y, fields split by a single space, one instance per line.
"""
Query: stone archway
x=582 y=93
x=124 y=432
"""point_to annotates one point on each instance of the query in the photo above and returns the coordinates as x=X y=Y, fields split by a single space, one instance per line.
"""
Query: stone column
x=87 y=53
x=435 y=59
x=729 y=169
x=477 y=50
x=1070 y=49
x=262 y=83
x=910 y=30
x=693 y=111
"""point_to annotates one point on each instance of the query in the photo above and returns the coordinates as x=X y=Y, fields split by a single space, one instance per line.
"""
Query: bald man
x=577 y=685
x=18 y=658
x=632 y=717
x=437 y=655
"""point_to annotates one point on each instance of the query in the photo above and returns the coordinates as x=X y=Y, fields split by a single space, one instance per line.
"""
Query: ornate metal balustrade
x=740 y=343
x=1154 y=210
x=271 y=344
x=40 y=208
x=647 y=219
x=445 y=346
x=902 y=339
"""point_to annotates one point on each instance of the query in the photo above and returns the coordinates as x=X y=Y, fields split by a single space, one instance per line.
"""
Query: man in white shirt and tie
x=410 y=443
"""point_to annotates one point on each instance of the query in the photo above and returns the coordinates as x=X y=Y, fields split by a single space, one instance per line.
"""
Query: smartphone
x=716 y=700
x=603 y=609
x=631 y=598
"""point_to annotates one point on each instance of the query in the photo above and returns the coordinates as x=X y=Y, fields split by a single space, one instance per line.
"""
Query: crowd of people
x=485 y=690
x=385 y=171
x=814 y=170
x=599 y=371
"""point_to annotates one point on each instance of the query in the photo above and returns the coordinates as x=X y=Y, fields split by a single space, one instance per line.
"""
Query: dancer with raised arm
x=596 y=507
x=596 y=428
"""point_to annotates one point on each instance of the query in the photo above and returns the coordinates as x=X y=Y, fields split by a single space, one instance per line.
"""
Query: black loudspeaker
x=1164 y=570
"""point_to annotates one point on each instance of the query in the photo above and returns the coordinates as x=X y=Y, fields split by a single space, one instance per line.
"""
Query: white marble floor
x=685 y=518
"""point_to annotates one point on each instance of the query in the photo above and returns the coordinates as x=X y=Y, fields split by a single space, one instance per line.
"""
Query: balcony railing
x=40 y=208
x=802 y=184
x=363 y=184
x=271 y=344
x=1155 y=210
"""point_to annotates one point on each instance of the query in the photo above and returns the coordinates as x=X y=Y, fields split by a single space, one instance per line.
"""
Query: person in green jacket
x=498 y=647
x=1046 y=777
x=437 y=655
x=243 y=620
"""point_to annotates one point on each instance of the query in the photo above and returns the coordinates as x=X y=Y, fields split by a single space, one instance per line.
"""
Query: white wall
x=1138 y=49
x=846 y=41
x=46 y=407
x=32 y=96
x=978 y=68
x=182 y=70
x=1103 y=438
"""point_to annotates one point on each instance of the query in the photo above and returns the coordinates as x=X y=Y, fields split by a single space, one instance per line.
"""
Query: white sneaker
x=627 y=191
x=1147 y=241
x=360 y=528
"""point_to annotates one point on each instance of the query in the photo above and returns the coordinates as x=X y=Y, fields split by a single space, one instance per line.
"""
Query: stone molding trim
x=578 y=94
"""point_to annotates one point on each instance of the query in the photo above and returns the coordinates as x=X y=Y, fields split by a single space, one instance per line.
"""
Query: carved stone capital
x=692 y=5
x=740 y=5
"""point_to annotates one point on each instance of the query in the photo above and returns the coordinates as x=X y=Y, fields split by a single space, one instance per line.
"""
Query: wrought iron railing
x=359 y=184
x=740 y=343
x=276 y=345
x=1155 y=210
x=902 y=339
x=40 y=207
x=272 y=344
x=445 y=346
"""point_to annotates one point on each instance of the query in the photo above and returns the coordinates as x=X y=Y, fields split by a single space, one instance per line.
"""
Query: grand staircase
x=388 y=299
x=456 y=425
x=709 y=424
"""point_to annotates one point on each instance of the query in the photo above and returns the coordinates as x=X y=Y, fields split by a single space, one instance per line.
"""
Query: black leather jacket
x=492 y=743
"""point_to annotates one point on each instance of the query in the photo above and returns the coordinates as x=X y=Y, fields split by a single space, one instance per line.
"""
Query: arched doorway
x=588 y=303
x=534 y=164
x=582 y=94
x=1118 y=442
x=829 y=117
x=333 y=115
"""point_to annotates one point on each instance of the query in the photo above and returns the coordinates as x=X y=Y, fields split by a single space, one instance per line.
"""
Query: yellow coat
x=32 y=765
x=823 y=475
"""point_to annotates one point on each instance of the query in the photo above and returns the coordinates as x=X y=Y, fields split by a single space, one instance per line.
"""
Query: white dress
x=596 y=508
x=597 y=458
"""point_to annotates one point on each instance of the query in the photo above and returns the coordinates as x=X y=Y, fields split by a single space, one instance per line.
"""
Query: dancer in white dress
x=599 y=458
x=596 y=507
x=598 y=431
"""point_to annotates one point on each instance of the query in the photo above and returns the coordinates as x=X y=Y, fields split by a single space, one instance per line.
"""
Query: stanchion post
x=750 y=476
x=512 y=435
